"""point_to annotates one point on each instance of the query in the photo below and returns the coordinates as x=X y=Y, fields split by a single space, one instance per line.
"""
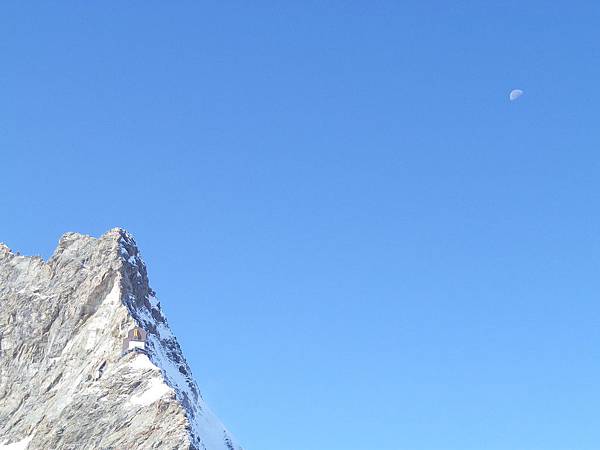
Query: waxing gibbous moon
x=515 y=94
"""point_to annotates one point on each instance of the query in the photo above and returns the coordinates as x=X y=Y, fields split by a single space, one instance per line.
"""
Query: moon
x=515 y=94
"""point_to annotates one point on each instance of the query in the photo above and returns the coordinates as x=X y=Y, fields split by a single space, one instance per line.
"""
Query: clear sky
x=359 y=241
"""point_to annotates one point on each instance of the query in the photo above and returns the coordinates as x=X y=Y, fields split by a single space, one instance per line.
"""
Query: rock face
x=65 y=382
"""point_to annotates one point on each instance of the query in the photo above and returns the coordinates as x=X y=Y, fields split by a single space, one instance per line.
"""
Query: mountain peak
x=87 y=358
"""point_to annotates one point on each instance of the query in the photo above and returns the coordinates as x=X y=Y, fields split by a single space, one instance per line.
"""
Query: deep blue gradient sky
x=360 y=243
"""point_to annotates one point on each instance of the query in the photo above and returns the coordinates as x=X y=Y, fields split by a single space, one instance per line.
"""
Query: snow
x=205 y=425
x=164 y=353
x=171 y=369
x=21 y=445
x=156 y=390
x=142 y=362
x=136 y=344
x=153 y=301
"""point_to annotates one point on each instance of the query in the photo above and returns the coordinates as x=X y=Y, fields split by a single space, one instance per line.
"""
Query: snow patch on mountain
x=155 y=391
x=87 y=357
x=163 y=350
x=21 y=445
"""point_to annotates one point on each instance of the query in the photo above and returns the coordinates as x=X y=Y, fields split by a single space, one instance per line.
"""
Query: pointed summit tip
x=124 y=237
x=118 y=231
x=119 y=238
x=128 y=249
x=85 y=307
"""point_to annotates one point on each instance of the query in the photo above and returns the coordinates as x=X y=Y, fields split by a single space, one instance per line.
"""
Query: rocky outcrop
x=65 y=382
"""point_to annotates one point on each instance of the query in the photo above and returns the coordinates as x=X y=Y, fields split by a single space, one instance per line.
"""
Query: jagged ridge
x=63 y=380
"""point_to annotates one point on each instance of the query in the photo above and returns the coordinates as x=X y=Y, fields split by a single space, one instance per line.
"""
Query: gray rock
x=65 y=382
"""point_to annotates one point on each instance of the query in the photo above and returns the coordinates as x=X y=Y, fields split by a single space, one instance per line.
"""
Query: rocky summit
x=87 y=359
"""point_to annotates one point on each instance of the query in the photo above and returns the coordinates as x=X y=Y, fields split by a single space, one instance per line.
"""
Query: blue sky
x=359 y=241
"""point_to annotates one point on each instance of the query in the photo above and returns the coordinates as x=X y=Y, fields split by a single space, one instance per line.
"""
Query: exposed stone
x=65 y=382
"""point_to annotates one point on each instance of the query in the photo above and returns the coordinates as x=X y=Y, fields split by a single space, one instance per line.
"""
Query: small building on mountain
x=135 y=340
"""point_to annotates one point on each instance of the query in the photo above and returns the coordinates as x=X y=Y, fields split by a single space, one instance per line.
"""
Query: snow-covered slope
x=64 y=380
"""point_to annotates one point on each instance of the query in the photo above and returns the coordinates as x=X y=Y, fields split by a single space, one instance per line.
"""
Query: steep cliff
x=66 y=381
